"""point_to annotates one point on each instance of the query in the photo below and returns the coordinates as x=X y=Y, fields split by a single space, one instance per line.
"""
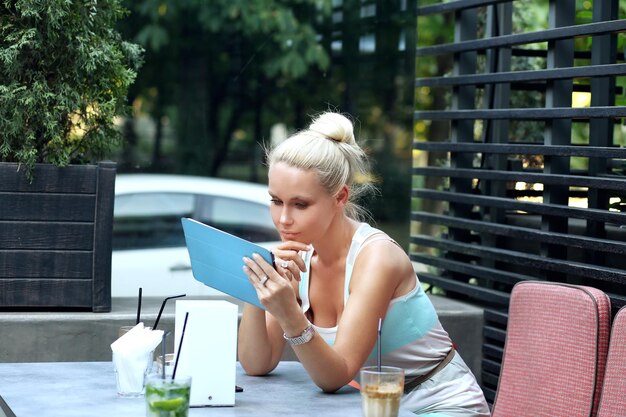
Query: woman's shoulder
x=383 y=265
x=378 y=249
x=367 y=235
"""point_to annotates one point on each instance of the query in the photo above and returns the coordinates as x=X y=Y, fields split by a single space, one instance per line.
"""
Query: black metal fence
x=520 y=152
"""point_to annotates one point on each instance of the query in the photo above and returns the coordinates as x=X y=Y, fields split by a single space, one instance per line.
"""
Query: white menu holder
x=209 y=350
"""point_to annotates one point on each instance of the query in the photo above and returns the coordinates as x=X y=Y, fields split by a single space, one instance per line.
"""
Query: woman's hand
x=275 y=292
x=288 y=261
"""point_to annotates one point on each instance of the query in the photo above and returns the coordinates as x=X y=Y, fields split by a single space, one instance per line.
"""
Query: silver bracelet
x=305 y=337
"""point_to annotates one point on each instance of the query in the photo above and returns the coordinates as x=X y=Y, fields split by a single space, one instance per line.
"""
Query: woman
x=336 y=277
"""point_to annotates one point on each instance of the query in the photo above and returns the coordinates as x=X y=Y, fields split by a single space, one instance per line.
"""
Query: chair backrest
x=613 y=400
x=555 y=351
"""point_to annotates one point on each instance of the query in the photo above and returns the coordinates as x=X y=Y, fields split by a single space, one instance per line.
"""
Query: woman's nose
x=285 y=217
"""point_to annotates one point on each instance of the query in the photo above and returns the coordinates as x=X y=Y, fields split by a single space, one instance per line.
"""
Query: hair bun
x=335 y=126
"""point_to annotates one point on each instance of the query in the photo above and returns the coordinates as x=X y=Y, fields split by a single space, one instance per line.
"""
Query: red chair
x=555 y=351
x=613 y=400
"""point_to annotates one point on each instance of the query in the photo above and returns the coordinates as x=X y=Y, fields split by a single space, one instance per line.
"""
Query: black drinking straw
x=380 y=322
x=163 y=354
x=180 y=345
x=138 y=306
x=162 y=307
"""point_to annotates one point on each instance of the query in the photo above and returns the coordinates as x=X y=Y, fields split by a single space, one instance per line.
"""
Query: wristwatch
x=305 y=337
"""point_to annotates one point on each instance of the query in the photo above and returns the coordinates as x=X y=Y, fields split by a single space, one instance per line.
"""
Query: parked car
x=149 y=250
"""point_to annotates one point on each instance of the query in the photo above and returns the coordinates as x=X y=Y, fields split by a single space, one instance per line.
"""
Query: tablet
x=217 y=259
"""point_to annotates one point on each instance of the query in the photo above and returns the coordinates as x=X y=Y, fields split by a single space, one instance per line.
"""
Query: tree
x=217 y=62
x=64 y=74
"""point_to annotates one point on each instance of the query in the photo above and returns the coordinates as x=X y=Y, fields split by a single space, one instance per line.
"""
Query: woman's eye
x=302 y=205
x=275 y=202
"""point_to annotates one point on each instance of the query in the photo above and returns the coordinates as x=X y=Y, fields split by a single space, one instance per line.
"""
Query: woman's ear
x=343 y=196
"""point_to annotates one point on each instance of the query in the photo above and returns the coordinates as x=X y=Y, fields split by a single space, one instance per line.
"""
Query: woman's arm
x=260 y=344
x=378 y=272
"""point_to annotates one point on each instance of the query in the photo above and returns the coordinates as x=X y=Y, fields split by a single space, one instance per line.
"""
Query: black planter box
x=55 y=237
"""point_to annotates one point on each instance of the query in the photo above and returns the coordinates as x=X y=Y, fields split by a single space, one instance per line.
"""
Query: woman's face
x=301 y=208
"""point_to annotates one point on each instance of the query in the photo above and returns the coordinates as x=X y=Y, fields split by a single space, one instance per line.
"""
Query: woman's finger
x=291 y=245
x=292 y=256
x=282 y=266
x=257 y=270
x=265 y=268
x=293 y=270
x=259 y=281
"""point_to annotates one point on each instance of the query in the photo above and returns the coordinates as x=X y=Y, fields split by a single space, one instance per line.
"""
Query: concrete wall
x=84 y=336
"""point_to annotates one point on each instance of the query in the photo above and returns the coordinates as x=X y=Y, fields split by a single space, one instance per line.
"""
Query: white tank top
x=412 y=337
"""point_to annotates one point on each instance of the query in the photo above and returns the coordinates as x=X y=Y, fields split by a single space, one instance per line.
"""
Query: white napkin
x=132 y=355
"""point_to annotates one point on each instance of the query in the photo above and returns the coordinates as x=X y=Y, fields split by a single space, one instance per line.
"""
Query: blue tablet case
x=217 y=259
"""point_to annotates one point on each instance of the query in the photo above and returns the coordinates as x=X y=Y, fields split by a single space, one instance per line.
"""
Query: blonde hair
x=328 y=147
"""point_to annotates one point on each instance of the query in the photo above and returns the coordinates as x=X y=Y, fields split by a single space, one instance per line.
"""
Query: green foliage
x=64 y=75
x=291 y=41
x=215 y=66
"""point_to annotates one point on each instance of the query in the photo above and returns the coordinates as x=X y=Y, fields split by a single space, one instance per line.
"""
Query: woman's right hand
x=275 y=292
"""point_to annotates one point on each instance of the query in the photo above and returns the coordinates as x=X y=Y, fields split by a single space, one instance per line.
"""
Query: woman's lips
x=289 y=235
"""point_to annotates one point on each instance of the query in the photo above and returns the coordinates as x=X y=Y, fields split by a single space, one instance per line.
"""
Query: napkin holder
x=209 y=350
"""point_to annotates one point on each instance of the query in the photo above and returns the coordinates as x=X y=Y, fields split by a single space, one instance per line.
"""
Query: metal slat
x=523 y=76
x=489 y=379
x=488 y=386
x=493 y=351
x=495 y=316
x=454 y=6
x=487 y=376
x=524 y=259
x=554 y=238
x=491 y=366
x=524 y=114
x=477 y=271
x=566 y=32
x=529 y=207
x=472 y=291
x=490 y=394
x=519 y=149
x=494 y=334
x=606 y=183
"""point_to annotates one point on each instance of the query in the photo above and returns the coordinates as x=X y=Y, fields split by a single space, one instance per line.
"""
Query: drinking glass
x=131 y=373
x=167 y=397
x=381 y=390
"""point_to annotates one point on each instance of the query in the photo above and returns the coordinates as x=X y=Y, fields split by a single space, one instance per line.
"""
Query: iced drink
x=167 y=398
x=381 y=391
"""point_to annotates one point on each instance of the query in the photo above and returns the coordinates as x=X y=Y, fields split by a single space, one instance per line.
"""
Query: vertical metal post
x=603 y=51
x=498 y=96
x=558 y=132
x=463 y=97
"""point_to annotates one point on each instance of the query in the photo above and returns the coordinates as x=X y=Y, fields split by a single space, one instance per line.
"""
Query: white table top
x=85 y=389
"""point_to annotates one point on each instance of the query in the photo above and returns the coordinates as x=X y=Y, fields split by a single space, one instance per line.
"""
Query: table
x=85 y=389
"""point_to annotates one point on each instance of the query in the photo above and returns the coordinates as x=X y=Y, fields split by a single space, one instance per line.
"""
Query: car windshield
x=152 y=220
